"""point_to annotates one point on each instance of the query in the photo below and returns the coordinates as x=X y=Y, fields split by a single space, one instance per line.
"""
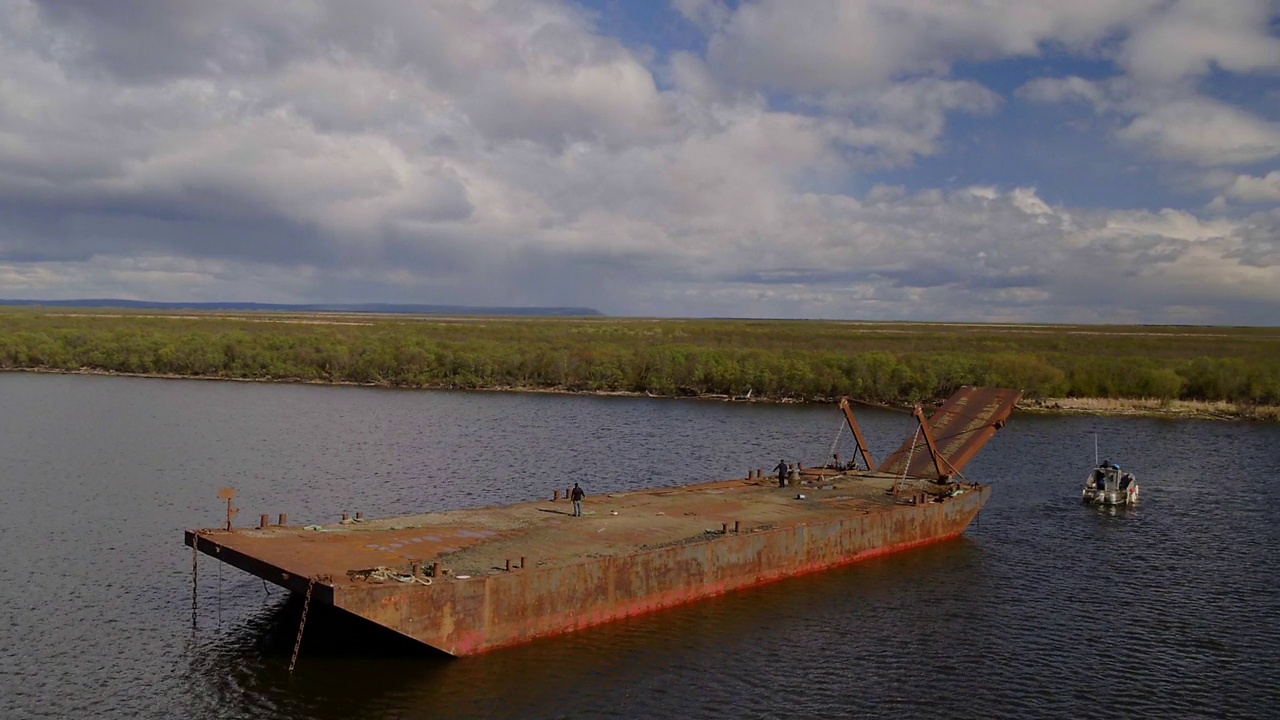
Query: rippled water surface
x=1045 y=608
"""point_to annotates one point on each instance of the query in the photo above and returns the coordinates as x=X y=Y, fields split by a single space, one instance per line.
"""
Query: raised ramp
x=960 y=428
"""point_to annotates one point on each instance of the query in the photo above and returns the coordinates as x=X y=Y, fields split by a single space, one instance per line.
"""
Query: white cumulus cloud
x=1205 y=132
x=1250 y=189
x=492 y=153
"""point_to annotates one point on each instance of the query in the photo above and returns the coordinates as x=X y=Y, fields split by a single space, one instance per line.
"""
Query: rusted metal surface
x=229 y=494
x=958 y=430
x=655 y=553
x=857 y=433
x=941 y=466
x=450 y=579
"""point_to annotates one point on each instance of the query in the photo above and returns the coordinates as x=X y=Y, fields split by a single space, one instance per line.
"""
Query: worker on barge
x=782 y=469
x=576 y=496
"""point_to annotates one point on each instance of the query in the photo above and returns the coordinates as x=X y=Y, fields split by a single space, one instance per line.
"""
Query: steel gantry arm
x=847 y=409
x=929 y=442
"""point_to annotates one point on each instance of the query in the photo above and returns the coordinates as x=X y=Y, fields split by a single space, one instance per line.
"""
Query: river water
x=1045 y=608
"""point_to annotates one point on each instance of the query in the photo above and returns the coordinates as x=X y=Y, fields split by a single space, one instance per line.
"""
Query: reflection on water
x=1030 y=614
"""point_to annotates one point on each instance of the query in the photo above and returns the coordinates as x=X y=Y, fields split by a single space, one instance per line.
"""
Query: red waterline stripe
x=477 y=641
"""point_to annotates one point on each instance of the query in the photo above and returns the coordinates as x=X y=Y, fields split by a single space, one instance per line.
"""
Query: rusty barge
x=469 y=581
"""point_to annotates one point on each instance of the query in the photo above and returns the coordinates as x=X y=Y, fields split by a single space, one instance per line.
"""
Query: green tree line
x=885 y=363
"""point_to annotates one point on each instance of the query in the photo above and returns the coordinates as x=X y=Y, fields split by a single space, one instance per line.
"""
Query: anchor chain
x=306 y=605
x=910 y=454
x=195 y=578
x=836 y=443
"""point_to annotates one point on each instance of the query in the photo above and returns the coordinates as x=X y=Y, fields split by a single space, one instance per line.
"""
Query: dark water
x=1045 y=609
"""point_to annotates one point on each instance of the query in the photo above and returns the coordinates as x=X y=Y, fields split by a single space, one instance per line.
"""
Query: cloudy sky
x=1039 y=160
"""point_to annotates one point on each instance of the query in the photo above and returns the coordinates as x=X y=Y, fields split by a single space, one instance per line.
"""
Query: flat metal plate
x=960 y=427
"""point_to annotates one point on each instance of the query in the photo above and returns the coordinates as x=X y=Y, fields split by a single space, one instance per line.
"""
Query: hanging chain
x=834 y=443
x=306 y=605
x=195 y=578
x=911 y=454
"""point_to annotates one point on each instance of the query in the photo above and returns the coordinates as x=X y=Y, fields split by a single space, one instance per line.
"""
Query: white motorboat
x=1109 y=485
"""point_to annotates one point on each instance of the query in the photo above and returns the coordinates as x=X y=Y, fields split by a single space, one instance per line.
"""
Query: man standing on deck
x=782 y=473
x=576 y=496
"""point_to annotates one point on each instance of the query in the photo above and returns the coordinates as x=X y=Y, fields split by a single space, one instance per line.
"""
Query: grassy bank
x=892 y=363
x=1148 y=407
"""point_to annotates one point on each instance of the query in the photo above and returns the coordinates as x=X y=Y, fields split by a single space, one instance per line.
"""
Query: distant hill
x=396 y=308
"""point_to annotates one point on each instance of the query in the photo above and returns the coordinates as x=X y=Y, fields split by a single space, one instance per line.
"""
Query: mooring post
x=228 y=494
x=555 y=495
x=284 y=519
x=263 y=520
x=736 y=526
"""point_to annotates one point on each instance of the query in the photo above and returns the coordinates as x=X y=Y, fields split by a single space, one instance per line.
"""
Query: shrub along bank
x=801 y=360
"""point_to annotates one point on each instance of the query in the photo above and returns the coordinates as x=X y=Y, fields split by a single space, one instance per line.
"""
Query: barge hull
x=601 y=578
x=469 y=581
x=513 y=608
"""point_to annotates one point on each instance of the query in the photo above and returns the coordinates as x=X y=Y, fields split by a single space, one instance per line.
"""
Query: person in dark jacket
x=782 y=473
x=576 y=496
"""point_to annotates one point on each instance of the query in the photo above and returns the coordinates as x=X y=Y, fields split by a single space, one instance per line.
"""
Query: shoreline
x=1096 y=407
x=1152 y=408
